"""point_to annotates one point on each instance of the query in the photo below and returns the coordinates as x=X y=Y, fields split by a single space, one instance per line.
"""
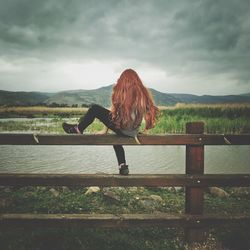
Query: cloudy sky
x=196 y=46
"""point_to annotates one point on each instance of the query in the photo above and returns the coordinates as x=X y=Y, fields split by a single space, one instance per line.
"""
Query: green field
x=233 y=118
x=131 y=200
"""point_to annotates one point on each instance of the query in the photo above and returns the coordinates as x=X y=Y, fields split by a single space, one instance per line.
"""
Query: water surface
x=97 y=159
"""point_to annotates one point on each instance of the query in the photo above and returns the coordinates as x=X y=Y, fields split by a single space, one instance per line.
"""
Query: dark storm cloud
x=201 y=39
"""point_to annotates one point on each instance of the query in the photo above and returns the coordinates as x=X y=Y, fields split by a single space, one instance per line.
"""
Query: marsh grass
x=226 y=118
x=40 y=111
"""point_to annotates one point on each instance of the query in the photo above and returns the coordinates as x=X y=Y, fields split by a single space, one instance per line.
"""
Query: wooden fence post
x=194 y=195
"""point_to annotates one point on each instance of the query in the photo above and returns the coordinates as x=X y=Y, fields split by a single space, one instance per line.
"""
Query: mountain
x=102 y=96
x=246 y=94
x=163 y=99
x=209 y=99
x=22 y=98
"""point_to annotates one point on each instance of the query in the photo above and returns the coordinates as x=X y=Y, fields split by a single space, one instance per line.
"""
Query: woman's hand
x=104 y=131
x=145 y=131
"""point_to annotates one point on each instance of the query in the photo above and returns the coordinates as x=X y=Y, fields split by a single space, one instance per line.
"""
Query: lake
x=101 y=159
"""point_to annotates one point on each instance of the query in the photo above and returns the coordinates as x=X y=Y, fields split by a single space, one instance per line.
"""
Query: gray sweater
x=132 y=132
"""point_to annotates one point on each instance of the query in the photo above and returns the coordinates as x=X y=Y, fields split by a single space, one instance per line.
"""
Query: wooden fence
x=194 y=181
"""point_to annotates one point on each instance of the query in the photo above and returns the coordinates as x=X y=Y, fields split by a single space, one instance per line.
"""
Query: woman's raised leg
x=104 y=115
x=99 y=112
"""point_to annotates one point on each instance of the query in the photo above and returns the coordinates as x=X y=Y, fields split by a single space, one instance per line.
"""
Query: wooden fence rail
x=120 y=220
x=135 y=180
x=180 y=139
x=194 y=181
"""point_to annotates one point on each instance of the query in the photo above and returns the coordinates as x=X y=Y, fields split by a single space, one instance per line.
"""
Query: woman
x=131 y=102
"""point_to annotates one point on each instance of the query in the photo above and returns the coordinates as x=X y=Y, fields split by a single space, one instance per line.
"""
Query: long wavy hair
x=129 y=97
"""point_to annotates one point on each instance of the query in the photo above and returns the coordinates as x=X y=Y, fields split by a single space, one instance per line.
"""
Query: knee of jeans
x=94 y=106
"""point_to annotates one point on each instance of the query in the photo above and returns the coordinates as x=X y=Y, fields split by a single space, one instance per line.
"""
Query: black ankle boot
x=123 y=169
x=70 y=128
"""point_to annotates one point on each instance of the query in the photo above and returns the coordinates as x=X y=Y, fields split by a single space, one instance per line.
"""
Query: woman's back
x=131 y=102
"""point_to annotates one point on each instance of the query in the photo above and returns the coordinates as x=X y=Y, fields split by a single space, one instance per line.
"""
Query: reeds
x=218 y=118
x=40 y=111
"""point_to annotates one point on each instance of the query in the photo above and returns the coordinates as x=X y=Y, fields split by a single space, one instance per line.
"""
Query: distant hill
x=102 y=96
x=22 y=98
x=246 y=94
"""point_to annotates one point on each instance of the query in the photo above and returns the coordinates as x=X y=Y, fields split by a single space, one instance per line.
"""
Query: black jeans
x=104 y=115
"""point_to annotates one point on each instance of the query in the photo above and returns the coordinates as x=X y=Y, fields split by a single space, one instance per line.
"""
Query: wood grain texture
x=119 y=220
x=135 y=180
x=110 y=139
x=194 y=196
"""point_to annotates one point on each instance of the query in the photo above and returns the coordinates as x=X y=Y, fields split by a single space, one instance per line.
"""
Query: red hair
x=130 y=95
